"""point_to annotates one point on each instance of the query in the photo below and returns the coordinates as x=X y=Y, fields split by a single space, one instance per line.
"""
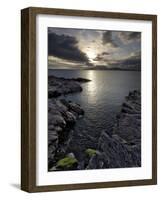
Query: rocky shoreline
x=62 y=86
x=122 y=147
x=117 y=149
x=62 y=115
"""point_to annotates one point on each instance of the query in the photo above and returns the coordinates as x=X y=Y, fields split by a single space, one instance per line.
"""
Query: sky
x=93 y=49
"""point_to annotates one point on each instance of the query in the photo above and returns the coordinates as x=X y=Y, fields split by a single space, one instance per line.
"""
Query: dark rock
x=52 y=137
x=128 y=125
x=76 y=108
x=81 y=80
x=61 y=86
x=81 y=165
x=96 y=162
x=52 y=146
x=62 y=116
x=53 y=93
x=122 y=147
x=58 y=120
x=114 y=153
x=70 y=118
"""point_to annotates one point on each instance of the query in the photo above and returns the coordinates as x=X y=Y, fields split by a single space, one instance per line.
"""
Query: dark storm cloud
x=65 y=47
x=130 y=36
x=107 y=39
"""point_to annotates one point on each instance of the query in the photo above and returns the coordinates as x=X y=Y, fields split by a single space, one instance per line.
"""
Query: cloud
x=65 y=47
x=102 y=56
x=107 y=39
x=105 y=53
x=98 y=58
x=72 y=48
x=128 y=37
x=132 y=62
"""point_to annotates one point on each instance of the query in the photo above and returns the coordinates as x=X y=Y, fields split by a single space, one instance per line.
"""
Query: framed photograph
x=89 y=99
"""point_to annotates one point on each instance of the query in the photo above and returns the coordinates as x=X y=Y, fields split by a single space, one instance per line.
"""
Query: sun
x=91 y=55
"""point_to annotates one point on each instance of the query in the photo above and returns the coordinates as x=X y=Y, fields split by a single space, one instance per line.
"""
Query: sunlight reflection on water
x=91 y=87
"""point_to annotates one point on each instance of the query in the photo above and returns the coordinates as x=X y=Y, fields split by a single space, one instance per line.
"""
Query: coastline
x=112 y=147
x=95 y=69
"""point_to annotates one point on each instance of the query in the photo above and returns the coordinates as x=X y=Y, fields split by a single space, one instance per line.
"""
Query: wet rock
x=114 y=153
x=81 y=166
x=53 y=80
x=53 y=141
x=52 y=137
x=58 y=129
x=61 y=86
x=53 y=93
x=76 y=108
x=58 y=120
x=96 y=162
x=71 y=155
x=81 y=80
x=62 y=115
x=128 y=125
x=70 y=118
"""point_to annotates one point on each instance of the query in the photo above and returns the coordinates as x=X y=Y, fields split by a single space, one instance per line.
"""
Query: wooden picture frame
x=28 y=98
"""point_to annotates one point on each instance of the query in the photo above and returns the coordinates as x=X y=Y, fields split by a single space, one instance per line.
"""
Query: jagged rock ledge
x=62 y=86
x=122 y=147
x=62 y=115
